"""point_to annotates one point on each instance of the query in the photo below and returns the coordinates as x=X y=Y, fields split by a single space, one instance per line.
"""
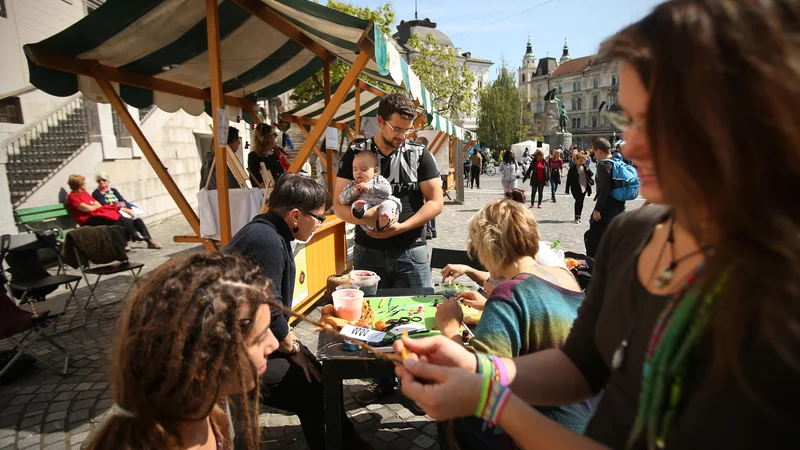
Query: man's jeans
x=397 y=268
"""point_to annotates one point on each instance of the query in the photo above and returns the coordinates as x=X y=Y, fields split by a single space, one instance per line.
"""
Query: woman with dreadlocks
x=690 y=325
x=196 y=331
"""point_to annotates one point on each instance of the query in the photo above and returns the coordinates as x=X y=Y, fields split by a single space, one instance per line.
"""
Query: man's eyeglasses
x=404 y=132
x=320 y=219
x=623 y=121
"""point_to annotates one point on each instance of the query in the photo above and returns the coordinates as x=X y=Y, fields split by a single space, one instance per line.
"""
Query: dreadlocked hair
x=180 y=338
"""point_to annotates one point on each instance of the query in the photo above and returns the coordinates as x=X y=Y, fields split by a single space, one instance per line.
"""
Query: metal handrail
x=37 y=153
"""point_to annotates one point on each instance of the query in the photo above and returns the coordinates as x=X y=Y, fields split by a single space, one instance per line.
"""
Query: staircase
x=38 y=151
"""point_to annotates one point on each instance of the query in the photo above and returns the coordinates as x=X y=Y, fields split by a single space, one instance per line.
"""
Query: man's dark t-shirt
x=405 y=168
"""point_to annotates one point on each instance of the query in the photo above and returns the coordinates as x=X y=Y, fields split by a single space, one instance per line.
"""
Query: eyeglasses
x=622 y=121
x=320 y=219
x=405 y=132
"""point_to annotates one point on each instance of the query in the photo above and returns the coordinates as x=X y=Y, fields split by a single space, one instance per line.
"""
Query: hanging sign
x=222 y=127
x=331 y=137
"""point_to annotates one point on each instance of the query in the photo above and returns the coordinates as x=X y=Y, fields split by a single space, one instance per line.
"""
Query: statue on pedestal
x=563 y=117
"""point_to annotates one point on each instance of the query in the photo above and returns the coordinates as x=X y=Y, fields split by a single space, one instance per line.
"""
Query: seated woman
x=106 y=195
x=532 y=310
x=89 y=212
x=216 y=321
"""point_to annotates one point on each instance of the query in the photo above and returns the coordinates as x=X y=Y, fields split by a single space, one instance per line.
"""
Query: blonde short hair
x=502 y=232
x=578 y=155
x=76 y=181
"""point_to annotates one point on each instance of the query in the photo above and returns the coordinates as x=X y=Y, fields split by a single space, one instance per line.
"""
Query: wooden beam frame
x=371 y=89
x=148 y=152
x=441 y=143
x=305 y=121
x=288 y=29
x=217 y=103
x=327 y=115
x=77 y=66
x=326 y=81
x=319 y=153
x=432 y=145
x=358 y=108
x=251 y=109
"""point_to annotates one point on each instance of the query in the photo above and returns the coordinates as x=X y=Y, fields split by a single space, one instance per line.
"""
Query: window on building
x=579 y=122
x=580 y=103
x=594 y=121
x=10 y=110
x=574 y=123
x=480 y=82
x=574 y=104
x=538 y=91
x=596 y=83
x=574 y=85
x=523 y=77
x=579 y=85
x=3 y=8
x=594 y=102
x=613 y=80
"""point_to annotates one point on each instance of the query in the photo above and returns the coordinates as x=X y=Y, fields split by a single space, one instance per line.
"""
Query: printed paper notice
x=222 y=126
x=331 y=137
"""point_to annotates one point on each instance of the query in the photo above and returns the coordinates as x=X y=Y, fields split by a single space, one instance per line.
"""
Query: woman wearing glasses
x=687 y=326
x=292 y=382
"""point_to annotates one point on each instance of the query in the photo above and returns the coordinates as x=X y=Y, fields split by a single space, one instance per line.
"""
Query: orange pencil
x=404 y=353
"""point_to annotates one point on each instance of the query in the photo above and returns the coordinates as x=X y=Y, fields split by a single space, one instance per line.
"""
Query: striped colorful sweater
x=525 y=315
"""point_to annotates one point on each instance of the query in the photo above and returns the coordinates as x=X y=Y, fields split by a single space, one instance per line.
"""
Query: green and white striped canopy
x=346 y=113
x=166 y=40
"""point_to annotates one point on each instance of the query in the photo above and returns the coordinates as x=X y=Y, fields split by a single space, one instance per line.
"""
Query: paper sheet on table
x=362 y=334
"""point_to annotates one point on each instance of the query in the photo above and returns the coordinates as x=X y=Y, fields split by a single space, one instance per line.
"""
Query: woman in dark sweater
x=292 y=382
x=689 y=324
x=264 y=150
x=579 y=179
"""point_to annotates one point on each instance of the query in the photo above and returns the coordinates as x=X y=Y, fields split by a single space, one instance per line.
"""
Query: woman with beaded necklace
x=690 y=322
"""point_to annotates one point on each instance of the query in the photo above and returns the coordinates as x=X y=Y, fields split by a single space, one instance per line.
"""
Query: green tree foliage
x=502 y=117
x=382 y=16
x=450 y=81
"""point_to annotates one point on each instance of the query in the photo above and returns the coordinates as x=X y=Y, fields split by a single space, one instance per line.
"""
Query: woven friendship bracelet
x=501 y=374
x=495 y=402
x=487 y=384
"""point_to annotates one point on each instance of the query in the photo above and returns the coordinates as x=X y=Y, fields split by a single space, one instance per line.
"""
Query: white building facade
x=585 y=86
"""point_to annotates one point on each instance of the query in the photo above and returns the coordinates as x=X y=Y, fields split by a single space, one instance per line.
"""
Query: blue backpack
x=624 y=181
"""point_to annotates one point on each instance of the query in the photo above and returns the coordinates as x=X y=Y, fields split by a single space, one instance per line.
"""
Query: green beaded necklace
x=676 y=332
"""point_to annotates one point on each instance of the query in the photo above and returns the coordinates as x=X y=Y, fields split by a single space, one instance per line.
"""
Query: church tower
x=565 y=55
x=528 y=68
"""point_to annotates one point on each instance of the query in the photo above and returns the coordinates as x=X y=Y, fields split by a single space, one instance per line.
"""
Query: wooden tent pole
x=432 y=145
x=441 y=143
x=327 y=115
x=251 y=109
x=215 y=71
x=326 y=81
x=148 y=152
x=319 y=153
x=358 y=109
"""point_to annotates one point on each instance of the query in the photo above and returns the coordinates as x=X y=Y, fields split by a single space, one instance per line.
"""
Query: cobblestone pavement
x=42 y=410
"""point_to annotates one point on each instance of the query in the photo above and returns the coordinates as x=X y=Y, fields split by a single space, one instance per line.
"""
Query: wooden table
x=338 y=365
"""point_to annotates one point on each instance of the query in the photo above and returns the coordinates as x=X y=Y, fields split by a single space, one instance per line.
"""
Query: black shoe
x=138 y=237
x=434 y=235
x=374 y=391
x=428 y=237
x=553 y=199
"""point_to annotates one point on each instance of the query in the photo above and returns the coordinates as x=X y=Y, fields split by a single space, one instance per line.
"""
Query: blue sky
x=499 y=29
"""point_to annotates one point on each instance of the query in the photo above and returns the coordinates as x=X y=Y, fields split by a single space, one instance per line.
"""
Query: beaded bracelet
x=501 y=374
x=484 y=365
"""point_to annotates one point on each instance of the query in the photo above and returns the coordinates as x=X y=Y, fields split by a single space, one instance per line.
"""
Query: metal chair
x=31 y=320
x=101 y=270
x=28 y=275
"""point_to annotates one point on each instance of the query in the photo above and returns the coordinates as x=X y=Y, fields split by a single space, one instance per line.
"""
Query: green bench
x=42 y=215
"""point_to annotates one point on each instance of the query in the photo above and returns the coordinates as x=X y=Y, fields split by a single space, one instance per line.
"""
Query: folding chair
x=15 y=320
x=22 y=282
x=120 y=266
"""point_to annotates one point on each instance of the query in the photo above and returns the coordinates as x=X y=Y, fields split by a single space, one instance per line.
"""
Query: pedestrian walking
x=579 y=180
x=556 y=166
x=606 y=206
x=476 y=160
x=539 y=175
x=509 y=170
x=526 y=160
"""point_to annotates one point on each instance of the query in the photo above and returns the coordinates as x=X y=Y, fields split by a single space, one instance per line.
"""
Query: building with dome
x=479 y=66
x=584 y=84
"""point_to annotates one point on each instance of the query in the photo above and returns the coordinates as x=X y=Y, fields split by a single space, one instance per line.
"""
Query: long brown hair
x=723 y=77
x=180 y=338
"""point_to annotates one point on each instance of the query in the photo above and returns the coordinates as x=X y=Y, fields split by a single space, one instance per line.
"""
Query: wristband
x=495 y=402
x=499 y=405
x=484 y=365
x=487 y=384
x=501 y=374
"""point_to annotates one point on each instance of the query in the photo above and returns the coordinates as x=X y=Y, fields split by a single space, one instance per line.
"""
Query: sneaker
x=540 y=206
x=577 y=220
x=375 y=390
x=553 y=199
x=532 y=206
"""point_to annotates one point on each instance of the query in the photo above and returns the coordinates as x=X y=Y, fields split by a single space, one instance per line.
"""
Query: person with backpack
x=509 y=170
x=616 y=183
x=539 y=175
x=579 y=180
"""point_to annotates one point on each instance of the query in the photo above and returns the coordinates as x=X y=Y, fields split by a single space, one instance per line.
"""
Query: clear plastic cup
x=348 y=304
x=366 y=280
